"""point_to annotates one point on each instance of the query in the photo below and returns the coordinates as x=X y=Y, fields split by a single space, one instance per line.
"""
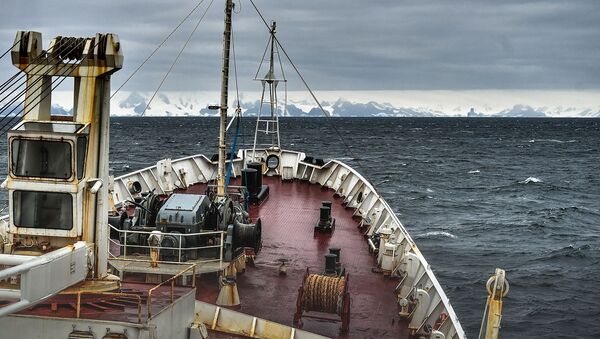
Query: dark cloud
x=349 y=45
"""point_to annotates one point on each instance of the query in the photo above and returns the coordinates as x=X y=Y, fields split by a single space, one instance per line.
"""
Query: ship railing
x=171 y=281
x=123 y=247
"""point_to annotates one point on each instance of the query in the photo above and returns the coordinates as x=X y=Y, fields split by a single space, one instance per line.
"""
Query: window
x=81 y=150
x=47 y=210
x=41 y=158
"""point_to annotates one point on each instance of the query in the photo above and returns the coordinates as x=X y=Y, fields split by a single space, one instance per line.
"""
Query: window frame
x=71 y=218
x=72 y=151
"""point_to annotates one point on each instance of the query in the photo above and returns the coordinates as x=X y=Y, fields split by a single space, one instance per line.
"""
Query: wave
x=474 y=172
x=435 y=234
x=531 y=180
x=553 y=140
x=571 y=251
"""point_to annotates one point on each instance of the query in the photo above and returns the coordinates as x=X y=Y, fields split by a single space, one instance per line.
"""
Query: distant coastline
x=471 y=103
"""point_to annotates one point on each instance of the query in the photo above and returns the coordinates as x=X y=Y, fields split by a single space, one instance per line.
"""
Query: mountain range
x=483 y=103
x=376 y=104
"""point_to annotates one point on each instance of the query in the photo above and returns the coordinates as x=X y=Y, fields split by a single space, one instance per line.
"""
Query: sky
x=340 y=44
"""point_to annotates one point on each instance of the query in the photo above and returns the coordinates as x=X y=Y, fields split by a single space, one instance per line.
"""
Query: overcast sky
x=341 y=44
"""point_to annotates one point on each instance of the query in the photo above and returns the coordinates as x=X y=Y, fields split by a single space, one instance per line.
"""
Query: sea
x=474 y=193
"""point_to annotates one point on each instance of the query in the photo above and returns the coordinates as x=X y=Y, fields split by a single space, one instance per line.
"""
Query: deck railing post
x=125 y=246
x=78 y=304
x=172 y=288
x=149 y=304
x=179 y=258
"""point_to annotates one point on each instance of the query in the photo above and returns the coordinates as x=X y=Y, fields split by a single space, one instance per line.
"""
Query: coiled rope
x=323 y=293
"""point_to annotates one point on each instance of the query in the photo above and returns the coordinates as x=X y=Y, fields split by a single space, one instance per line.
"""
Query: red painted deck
x=288 y=218
x=109 y=307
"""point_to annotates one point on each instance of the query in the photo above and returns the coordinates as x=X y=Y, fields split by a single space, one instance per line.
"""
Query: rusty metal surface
x=111 y=307
x=288 y=217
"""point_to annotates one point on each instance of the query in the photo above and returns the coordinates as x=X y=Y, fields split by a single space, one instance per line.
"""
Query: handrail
x=160 y=262
x=185 y=235
x=78 y=307
x=179 y=249
x=172 y=281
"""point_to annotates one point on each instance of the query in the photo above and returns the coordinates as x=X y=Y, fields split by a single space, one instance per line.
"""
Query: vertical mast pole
x=224 y=89
x=272 y=84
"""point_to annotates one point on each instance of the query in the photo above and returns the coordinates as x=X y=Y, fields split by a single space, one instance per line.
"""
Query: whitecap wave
x=553 y=140
x=531 y=180
x=474 y=172
x=436 y=234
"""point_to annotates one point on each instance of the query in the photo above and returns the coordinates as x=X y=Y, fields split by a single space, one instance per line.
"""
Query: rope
x=176 y=58
x=323 y=293
x=158 y=47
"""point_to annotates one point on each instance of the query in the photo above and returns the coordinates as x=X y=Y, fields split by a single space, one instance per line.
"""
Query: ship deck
x=129 y=305
x=288 y=218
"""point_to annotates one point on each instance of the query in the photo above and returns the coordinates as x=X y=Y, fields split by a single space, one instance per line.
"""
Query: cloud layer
x=343 y=45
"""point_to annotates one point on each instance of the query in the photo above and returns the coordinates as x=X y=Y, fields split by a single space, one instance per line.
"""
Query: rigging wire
x=62 y=77
x=263 y=57
x=158 y=47
x=32 y=63
x=238 y=114
x=327 y=115
x=36 y=81
x=177 y=57
x=10 y=49
x=28 y=107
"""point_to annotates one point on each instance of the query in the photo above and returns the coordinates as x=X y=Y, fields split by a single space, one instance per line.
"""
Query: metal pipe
x=42 y=259
x=10 y=294
x=14 y=259
x=16 y=307
x=372 y=245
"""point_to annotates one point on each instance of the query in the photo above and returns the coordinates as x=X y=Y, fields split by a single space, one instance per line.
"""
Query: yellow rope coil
x=323 y=293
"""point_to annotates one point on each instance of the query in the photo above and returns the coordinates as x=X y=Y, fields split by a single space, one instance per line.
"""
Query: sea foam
x=531 y=180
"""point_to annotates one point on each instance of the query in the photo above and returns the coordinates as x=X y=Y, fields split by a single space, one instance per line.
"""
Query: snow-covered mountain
x=371 y=103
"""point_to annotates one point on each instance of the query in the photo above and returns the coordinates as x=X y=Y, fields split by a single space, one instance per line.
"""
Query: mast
x=272 y=89
x=223 y=106
x=269 y=125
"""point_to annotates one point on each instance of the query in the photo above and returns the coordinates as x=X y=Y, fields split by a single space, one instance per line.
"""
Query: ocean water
x=475 y=194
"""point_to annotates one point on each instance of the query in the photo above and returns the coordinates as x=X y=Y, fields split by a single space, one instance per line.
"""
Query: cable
x=158 y=47
x=7 y=84
x=327 y=115
x=62 y=76
x=45 y=94
x=14 y=99
x=177 y=57
x=10 y=49
x=40 y=78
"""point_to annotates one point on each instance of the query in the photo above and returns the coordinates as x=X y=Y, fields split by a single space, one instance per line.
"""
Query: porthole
x=272 y=161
